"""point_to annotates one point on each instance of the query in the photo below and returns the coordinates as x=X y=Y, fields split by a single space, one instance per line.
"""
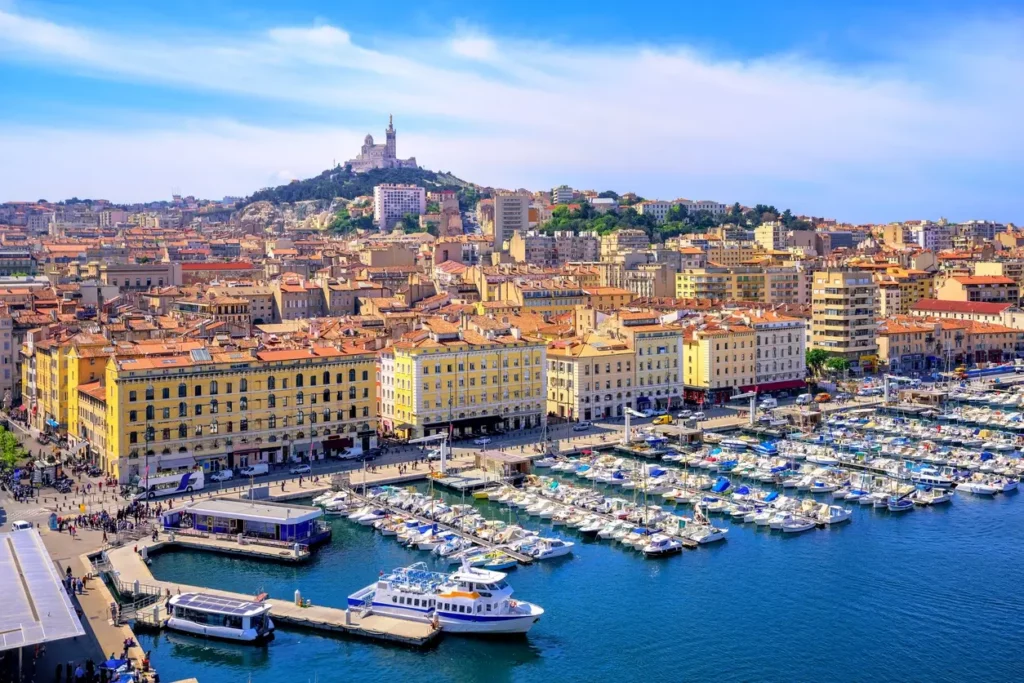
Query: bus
x=169 y=483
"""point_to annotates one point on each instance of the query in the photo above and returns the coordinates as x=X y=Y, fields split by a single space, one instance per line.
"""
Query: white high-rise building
x=511 y=215
x=392 y=202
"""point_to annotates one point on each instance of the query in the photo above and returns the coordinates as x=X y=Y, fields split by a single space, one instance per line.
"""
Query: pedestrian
x=59 y=673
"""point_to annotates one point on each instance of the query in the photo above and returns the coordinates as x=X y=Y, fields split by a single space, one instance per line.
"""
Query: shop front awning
x=50 y=422
x=468 y=422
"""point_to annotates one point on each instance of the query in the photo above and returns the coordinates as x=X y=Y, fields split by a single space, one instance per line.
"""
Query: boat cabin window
x=488 y=607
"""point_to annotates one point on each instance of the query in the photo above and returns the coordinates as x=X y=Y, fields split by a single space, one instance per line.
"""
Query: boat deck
x=130 y=567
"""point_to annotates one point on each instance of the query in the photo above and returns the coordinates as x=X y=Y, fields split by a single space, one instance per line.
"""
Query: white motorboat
x=661 y=545
x=979 y=487
x=470 y=600
x=934 y=496
x=796 y=525
x=837 y=514
x=548 y=548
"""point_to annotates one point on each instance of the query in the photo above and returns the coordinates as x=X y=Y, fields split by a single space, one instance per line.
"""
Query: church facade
x=380 y=156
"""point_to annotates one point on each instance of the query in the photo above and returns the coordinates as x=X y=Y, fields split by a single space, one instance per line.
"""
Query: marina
x=755 y=491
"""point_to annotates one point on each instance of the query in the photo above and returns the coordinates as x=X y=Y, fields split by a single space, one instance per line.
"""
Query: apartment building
x=843 y=314
x=511 y=215
x=480 y=377
x=781 y=360
x=393 y=201
x=232 y=409
x=548 y=297
x=563 y=194
x=590 y=377
x=719 y=360
x=771 y=235
x=658 y=365
x=620 y=241
x=980 y=288
x=260 y=300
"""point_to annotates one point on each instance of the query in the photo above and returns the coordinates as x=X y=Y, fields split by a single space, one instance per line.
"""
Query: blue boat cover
x=657 y=472
x=721 y=484
x=743 y=490
x=985 y=455
x=771 y=496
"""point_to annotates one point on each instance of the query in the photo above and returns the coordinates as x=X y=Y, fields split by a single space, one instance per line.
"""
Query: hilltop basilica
x=380 y=156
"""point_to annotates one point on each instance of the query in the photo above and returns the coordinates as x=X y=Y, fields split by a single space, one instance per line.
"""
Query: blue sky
x=867 y=111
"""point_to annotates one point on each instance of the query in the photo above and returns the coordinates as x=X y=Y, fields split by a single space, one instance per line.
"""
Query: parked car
x=768 y=402
x=255 y=470
x=698 y=416
x=843 y=396
x=434 y=454
x=301 y=469
x=804 y=399
x=823 y=397
x=581 y=426
x=482 y=441
x=647 y=413
x=222 y=475
x=685 y=415
x=20 y=526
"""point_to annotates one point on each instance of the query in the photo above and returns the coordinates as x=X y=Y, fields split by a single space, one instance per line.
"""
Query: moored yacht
x=469 y=600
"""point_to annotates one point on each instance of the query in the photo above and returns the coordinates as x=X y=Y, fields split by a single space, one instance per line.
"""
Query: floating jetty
x=129 y=567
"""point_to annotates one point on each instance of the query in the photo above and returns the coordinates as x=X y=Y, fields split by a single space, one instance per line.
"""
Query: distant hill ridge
x=342 y=182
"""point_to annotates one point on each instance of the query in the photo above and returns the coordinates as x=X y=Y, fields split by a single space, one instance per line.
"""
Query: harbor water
x=933 y=595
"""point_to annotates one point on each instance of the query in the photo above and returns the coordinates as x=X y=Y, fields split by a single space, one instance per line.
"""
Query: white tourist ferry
x=214 y=616
x=469 y=600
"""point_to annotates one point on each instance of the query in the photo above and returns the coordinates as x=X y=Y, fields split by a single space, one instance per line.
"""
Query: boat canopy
x=721 y=484
x=743 y=490
x=772 y=495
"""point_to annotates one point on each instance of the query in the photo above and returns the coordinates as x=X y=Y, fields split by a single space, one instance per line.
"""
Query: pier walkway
x=129 y=567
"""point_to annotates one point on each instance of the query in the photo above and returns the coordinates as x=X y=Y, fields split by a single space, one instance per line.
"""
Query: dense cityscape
x=335 y=339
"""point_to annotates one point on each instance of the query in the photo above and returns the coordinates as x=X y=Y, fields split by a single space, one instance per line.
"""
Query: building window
x=133 y=437
x=271 y=383
x=243 y=386
x=300 y=398
x=272 y=422
x=182 y=390
x=352 y=376
x=132 y=396
x=182 y=431
x=271 y=401
x=243 y=425
x=165 y=393
x=198 y=391
x=214 y=406
x=299 y=380
x=199 y=409
x=182 y=409
x=166 y=434
x=243 y=403
x=150 y=413
x=149 y=393
x=351 y=392
x=133 y=416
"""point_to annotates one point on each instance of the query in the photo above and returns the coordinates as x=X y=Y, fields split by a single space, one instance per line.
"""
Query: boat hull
x=221 y=632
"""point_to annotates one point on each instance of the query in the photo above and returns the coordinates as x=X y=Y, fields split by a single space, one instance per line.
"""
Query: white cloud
x=515 y=113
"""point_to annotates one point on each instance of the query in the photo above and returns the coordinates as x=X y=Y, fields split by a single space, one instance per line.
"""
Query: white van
x=804 y=399
x=255 y=470
x=769 y=402
x=20 y=526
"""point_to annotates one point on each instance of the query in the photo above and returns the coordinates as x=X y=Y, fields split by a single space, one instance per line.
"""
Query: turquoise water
x=933 y=595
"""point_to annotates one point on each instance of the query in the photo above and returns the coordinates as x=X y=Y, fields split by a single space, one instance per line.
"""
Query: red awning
x=779 y=386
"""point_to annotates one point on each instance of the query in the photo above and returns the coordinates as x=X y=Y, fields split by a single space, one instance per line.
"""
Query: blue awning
x=50 y=422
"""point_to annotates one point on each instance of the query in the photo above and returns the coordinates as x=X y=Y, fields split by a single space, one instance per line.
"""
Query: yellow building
x=732 y=252
x=608 y=298
x=719 y=360
x=91 y=421
x=238 y=408
x=48 y=365
x=658 y=370
x=478 y=378
x=843 y=314
x=547 y=297
x=723 y=284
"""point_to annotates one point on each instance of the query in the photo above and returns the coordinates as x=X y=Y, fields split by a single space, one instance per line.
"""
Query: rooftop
x=254 y=511
x=36 y=608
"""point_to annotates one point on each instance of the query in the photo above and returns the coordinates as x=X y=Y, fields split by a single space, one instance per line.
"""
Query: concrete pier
x=129 y=567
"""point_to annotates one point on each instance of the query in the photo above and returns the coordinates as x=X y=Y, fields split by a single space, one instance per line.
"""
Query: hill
x=342 y=182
